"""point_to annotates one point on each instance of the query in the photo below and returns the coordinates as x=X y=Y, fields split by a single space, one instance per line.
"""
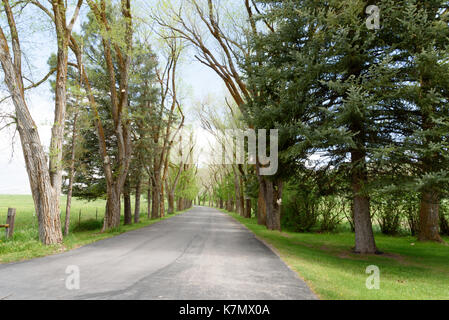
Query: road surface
x=202 y=254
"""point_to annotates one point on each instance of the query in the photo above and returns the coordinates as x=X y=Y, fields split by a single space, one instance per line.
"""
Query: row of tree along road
x=369 y=104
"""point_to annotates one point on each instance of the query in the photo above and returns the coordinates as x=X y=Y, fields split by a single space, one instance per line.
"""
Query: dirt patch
x=304 y=244
x=351 y=255
x=317 y=247
x=400 y=259
x=286 y=235
x=394 y=256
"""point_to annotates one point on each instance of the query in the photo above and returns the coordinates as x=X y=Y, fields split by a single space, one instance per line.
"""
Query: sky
x=199 y=80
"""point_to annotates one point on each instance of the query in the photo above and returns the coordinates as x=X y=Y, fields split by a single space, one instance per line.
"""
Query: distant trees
x=220 y=39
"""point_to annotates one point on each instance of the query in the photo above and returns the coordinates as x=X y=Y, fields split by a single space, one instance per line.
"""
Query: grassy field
x=85 y=226
x=408 y=269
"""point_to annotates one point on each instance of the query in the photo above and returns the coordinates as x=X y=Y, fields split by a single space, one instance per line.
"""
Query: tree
x=45 y=179
x=144 y=95
x=116 y=39
x=162 y=131
x=420 y=34
x=327 y=82
x=76 y=118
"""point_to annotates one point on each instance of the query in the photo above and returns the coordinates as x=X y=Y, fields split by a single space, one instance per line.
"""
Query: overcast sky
x=38 y=45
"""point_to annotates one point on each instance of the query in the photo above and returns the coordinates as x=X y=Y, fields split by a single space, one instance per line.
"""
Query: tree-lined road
x=202 y=254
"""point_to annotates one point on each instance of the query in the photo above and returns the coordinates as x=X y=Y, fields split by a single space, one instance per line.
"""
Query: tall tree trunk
x=149 y=196
x=273 y=195
x=155 y=196
x=46 y=198
x=71 y=176
x=171 y=190
x=429 y=217
x=261 y=206
x=364 y=236
x=261 y=203
x=162 y=200
x=57 y=131
x=241 y=196
x=113 y=208
x=127 y=203
x=429 y=221
x=68 y=206
x=115 y=174
x=171 y=202
x=137 y=200
x=231 y=205
x=239 y=208
x=248 y=208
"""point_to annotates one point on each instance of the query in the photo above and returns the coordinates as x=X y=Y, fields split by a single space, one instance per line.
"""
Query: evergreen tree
x=331 y=85
x=420 y=33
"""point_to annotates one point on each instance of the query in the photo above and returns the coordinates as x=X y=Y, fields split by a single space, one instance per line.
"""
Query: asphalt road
x=202 y=254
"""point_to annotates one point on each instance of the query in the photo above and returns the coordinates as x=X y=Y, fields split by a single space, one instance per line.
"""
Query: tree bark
x=171 y=190
x=364 y=236
x=113 y=208
x=127 y=203
x=57 y=131
x=45 y=197
x=241 y=196
x=429 y=221
x=162 y=200
x=248 y=209
x=171 y=202
x=237 y=192
x=231 y=205
x=149 y=196
x=429 y=217
x=137 y=200
x=71 y=176
x=261 y=203
x=272 y=201
x=155 y=196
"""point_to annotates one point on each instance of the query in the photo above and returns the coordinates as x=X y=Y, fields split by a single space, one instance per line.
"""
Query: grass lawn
x=408 y=269
x=84 y=228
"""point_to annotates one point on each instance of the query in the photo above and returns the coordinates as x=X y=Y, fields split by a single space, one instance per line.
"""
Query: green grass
x=408 y=269
x=84 y=229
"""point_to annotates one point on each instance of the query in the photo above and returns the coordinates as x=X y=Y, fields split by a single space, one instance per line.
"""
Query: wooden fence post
x=10 y=222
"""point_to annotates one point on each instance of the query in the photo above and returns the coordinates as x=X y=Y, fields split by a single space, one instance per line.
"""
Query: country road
x=202 y=254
